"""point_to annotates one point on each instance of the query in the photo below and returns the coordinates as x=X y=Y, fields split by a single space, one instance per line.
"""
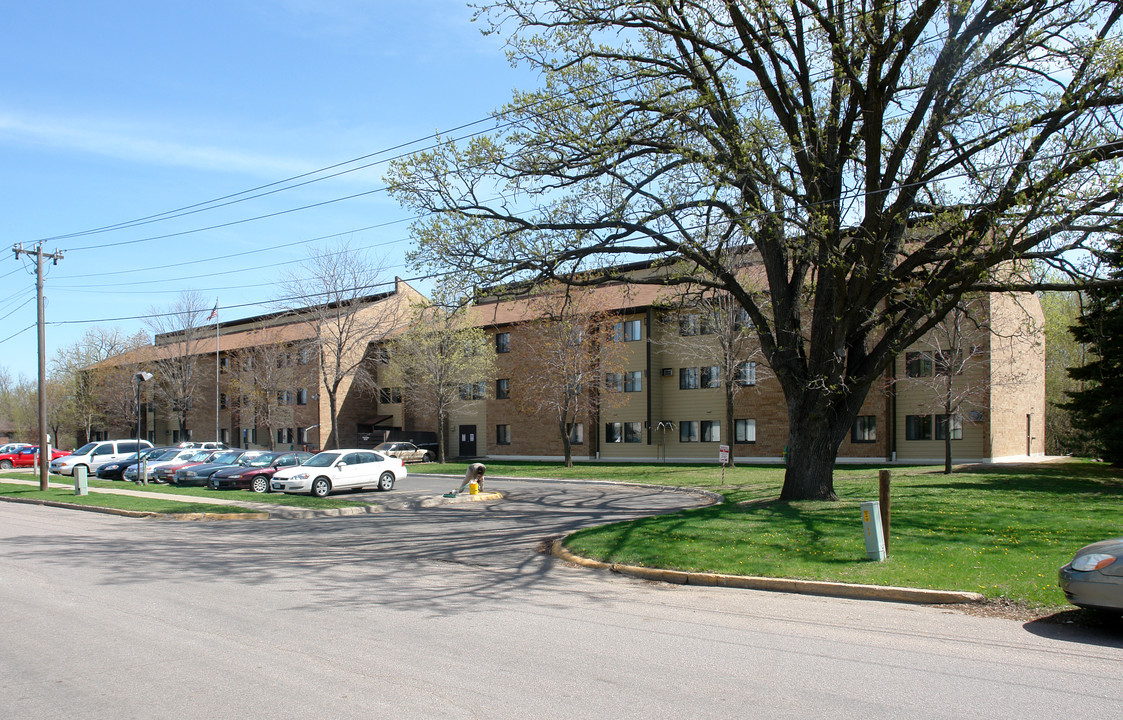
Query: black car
x=200 y=474
x=114 y=470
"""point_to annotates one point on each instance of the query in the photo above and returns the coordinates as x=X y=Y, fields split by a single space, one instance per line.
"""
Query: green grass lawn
x=154 y=504
x=1002 y=531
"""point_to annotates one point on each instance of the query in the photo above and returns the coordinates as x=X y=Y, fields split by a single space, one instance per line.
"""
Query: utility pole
x=44 y=446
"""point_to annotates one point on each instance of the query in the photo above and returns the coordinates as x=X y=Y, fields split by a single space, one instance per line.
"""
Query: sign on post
x=723 y=458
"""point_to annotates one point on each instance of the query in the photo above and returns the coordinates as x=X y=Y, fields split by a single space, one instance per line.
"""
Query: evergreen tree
x=1097 y=409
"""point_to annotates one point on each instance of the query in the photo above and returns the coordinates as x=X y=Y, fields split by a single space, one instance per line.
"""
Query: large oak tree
x=881 y=158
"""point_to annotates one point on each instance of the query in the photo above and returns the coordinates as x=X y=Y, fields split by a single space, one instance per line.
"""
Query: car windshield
x=384 y=447
x=261 y=460
x=85 y=449
x=199 y=456
x=226 y=458
x=164 y=455
x=323 y=459
x=247 y=459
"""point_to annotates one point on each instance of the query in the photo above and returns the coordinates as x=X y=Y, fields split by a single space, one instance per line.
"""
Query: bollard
x=81 y=487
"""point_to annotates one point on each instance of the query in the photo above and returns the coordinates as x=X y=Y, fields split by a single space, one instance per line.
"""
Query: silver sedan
x=1094 y=578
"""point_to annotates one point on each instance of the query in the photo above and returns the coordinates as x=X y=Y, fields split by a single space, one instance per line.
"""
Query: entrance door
x=467 y=441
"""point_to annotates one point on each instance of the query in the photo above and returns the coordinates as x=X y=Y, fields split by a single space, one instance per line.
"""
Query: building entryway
x=467 y=441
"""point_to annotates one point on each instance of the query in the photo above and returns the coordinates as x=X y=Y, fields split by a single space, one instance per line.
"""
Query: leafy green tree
x=881 y=159
x=1062 y=352
x=1097 y=409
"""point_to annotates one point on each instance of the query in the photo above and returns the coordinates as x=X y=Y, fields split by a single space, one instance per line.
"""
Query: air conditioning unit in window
x=667 y=372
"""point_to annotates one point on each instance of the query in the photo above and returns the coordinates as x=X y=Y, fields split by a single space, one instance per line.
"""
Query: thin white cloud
x=137 y=146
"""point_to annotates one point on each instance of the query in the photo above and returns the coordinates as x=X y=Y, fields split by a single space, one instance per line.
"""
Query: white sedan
x=338 y=470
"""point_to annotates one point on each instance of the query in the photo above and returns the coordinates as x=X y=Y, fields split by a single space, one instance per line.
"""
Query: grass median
x=999 y=530
x=153 y=504
x=300 y=501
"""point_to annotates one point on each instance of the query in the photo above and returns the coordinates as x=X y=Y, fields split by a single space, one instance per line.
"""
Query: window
x=614 y=382
x=222 y=401
x=741 y=320
x=688 y=431
x=633 y=381
x=382 y=355
x=711 y=431
x=613 y=432
x=744 y=431
x=302 y=356
x=502 y=389
x=224 y=435
x=502 y=434
x=301 y=397
x=918 y=427
x=285 y=397
x=472 y=391
x=948 y=363
x=576 y=433
x=390 y=395
x=949 y=426
x=864 y=429
x=301 y=437
x=688 y=324
x=746 y=373
x=633 y=432
x=280 y=435
x=918 y=364
x=688 y=378
x=711 y=376
x=503 y=342
x=628 y=331
x=223 y=364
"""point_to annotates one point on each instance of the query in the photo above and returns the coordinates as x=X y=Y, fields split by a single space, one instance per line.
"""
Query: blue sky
x=113 y=111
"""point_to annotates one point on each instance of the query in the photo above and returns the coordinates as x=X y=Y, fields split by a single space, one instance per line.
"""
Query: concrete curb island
x=748 y=582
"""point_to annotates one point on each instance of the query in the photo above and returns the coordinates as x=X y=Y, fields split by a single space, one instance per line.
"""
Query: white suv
x=95 y=454
x=337 y=469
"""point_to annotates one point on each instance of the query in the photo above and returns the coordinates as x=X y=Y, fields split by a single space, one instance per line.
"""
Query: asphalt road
x=450 y=613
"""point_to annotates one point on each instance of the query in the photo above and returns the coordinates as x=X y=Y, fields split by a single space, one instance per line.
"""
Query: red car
x=25 y=457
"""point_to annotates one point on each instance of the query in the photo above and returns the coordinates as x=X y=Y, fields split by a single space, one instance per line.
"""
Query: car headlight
x=300 y=476
x=1094 y=561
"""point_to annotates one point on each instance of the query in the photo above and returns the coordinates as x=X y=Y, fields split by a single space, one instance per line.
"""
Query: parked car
x=1094 y=578
x=153 y=463
x=166 y=473
x=93 y=455
x=116 y=469
x=340 y=469
x=406 y=452
x=256 y=473
x=12 y=447
x=25 y=457
x=209 y=445
x=200 y=473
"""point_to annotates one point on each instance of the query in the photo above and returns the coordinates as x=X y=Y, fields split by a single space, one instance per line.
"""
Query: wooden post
x=883 y=499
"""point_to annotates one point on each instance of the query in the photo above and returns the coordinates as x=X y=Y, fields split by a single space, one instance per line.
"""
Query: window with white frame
x=613 y=432
x=688 y=431
x=744 y=431
x=746 y=373
x=633 y=432
x=633 y=381
x=711 y=431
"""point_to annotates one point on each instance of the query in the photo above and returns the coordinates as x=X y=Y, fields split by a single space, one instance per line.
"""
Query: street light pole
x=141 y=471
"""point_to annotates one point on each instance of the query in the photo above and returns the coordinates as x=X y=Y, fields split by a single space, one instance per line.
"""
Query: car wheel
x=260 y=484
x=427 y=457
x=321 y=487
x=5 y=464
x=386 y=481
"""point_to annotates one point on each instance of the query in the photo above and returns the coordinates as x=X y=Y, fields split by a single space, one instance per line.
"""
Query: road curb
x=139 y=513
x=886 y=593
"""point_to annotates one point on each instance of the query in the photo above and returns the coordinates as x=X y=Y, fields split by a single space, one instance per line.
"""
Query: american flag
x=214 y=313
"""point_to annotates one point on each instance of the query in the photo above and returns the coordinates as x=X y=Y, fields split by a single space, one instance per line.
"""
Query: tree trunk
x=567 y=449
x=333 y=439
x=730 y=437
x=817 y=424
